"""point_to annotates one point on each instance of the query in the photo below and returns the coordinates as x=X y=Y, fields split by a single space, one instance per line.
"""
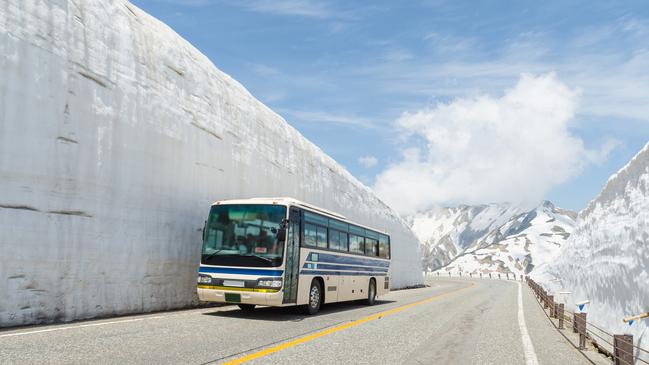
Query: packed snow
x=606 y=260
x=116 y=135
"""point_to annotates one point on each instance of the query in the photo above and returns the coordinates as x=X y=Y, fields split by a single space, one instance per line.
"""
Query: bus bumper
x=245 y=297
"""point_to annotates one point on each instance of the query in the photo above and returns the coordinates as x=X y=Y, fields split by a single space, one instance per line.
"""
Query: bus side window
x=310 y=235
x=344 y=244
x=356 y=244
x=322 y=236
x=334 y=237
x=384 y=246
x=371 y=247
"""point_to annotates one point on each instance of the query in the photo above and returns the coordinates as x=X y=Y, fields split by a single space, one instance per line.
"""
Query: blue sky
x=375 y=83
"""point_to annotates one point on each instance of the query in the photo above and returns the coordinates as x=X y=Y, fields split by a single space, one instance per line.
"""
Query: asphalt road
x=453 y=321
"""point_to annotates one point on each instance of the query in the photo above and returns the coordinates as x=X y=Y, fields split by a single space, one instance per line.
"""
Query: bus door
x=292 y=270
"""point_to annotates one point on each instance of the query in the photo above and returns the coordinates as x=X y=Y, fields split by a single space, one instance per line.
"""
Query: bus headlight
x=204 y=279
x=274 y=283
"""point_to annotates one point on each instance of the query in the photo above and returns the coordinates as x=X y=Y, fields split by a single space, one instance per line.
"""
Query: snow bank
x=115 y=137
x=607 y=258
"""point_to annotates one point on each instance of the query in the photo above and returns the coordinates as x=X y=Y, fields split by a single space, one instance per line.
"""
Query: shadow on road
x=293 y=314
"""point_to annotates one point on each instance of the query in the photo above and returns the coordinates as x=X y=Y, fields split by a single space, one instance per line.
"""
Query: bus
x=284 y=252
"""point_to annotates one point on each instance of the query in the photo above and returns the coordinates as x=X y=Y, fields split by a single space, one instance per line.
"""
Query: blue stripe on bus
x=341 y=273
x=320 y=265
x=228 y=270
x=338 y=259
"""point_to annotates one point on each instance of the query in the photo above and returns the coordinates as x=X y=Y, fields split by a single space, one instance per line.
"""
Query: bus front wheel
x=315 y=298
x=371 y=293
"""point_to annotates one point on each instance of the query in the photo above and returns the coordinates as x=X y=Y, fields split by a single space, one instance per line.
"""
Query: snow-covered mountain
x=607 y=258
x=499 y=238
x=447 y=232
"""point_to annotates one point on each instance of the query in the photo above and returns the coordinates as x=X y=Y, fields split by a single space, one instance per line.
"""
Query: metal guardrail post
x=581 y=329
x=545 y=300
x=623 y=349
x=551 y=305
x=560 y=315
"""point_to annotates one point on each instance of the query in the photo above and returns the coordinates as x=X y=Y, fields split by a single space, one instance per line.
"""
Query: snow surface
x=499 y=238
x=606 y=259
x=115 y=137
x=448 y=232
x=526 y=240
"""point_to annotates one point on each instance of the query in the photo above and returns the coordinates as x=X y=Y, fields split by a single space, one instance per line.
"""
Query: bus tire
x=371 y=293
x=315 y=298
x=247 y=307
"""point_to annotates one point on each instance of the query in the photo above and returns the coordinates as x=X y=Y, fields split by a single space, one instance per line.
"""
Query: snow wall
x=116 y=135
x=606 y=259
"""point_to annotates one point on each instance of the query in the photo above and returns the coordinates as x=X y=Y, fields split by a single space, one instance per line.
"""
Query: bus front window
x=244 y=235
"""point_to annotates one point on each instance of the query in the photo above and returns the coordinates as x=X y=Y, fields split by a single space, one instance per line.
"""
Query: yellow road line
x=329 y=331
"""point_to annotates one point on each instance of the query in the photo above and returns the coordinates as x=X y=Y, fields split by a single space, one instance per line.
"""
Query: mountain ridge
x=477 y=238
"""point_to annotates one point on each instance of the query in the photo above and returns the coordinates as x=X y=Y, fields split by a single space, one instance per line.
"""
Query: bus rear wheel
x=247 y=307
x=315 y=298
x=371 y=293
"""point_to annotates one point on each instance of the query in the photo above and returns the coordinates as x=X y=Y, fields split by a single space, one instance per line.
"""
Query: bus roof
x=293 y=202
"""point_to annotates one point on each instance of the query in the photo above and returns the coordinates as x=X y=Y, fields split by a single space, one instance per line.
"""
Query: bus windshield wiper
x=213 y=254
x=270 y=261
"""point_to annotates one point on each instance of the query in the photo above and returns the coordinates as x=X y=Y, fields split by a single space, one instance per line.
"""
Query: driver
x=264 y=239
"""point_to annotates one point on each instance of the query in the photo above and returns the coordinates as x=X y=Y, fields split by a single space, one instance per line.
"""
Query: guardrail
x=622 y=344
x=505 y=276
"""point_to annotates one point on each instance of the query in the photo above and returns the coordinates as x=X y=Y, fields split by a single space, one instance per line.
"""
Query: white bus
x=283 y=252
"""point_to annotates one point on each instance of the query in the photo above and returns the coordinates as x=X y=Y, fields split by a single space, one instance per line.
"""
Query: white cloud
x=307 y=8
x=264 y=70
x=368 y=161
x=398 y=55
x=304 y=8
x=514 y=148
x=607 y=61
x=311 y=116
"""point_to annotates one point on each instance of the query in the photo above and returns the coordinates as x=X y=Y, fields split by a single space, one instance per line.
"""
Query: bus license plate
x=235 y=283
x=233 y=298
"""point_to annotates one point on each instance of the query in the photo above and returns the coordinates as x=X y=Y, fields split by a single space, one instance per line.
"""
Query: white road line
x=14 y=334
x=78 y=326
x=528 y=348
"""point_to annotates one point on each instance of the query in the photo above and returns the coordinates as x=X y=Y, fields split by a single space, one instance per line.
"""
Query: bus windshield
x=244 y=235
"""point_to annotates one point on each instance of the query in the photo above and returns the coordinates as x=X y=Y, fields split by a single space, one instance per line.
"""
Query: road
x=453 y=321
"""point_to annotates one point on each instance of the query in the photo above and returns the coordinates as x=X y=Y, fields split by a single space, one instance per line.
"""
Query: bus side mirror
x=281 y=235
x=204 y=225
